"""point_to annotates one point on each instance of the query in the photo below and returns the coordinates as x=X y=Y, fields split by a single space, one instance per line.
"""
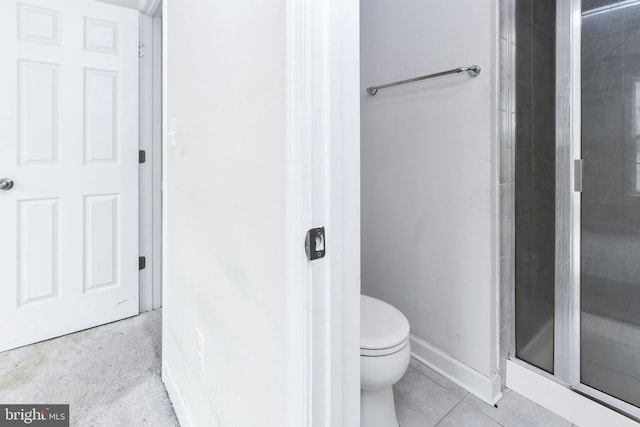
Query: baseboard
x=557 y=398
x=481 y=386
x=176 y=397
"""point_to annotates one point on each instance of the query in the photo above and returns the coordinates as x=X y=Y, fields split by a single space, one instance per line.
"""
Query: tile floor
x=450 y=405
x=100 y=395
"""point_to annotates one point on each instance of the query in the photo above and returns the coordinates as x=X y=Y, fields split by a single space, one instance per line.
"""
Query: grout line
x=447 y=414
x=440 y=385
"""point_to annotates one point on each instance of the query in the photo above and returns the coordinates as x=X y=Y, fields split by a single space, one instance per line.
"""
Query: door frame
x=150 y=173
x=323 y=157
x=323 y=59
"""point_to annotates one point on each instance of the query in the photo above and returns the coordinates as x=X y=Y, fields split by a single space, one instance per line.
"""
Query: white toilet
x=384 y=358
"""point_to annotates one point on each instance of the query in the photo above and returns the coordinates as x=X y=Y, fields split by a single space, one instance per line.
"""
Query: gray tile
x=511 y=20
x=503 y=100
x=523 y=8
x=544 y=283
x=524 y=181
x=542 y=89
x=604 y=177
x=605 y=46
x=408 y=417
x=420 y=401
x=603 y=23
x=512 y=209
x=505 y=212
x=513 y=77
x=631 y=216
x=544 y=14
x=543 y=237
x=592 y=4
x=543 y=172
x=447 y=384
x=504 y=354
x=631 y=16
x=594 y=214
x=631 y=41
x=602 y=119
x=505 y=151
x=523 y=243
x=505 y=237
x=523 y=115
x=602 y=74
x=505 y=291
x=505 y=215
x=504 y=19
x=464 y=415
x=523 y=49
x=516 y=411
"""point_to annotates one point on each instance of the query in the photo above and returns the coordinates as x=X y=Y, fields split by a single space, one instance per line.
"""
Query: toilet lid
x=381 y=324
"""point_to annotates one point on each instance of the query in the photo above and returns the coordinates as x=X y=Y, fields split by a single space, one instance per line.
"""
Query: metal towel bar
x=473 y=70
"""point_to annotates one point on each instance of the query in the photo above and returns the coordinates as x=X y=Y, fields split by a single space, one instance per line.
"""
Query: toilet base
x=377 y=408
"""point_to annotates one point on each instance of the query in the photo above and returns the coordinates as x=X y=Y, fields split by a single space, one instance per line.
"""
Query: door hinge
x=141 y=50
x=142 y=156
x=578 y=172
x=315 y=243
x=142 y=262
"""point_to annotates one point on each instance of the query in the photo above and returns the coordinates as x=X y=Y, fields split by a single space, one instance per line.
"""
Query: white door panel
x=69 y=141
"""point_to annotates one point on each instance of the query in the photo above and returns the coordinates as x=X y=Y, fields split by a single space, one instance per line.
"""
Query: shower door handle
x=578 y=172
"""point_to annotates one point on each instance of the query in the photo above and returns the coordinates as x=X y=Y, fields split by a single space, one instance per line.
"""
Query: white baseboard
x=481 y=386
x=176 y=397
x=561 y=400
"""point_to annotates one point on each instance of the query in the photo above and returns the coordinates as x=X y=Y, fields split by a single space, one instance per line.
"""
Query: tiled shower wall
x=535 y=150
x=527 y=174
x=610 y=148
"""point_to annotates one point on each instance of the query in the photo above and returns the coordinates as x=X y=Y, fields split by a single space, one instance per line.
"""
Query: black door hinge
x=315 y=243
x=142 y=156
x=142 y=263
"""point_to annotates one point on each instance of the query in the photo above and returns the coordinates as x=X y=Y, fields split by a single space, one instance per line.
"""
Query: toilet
x=384 y=358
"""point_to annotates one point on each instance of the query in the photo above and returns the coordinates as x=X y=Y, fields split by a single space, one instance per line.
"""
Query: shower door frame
x=567 y=333
x=568 y=200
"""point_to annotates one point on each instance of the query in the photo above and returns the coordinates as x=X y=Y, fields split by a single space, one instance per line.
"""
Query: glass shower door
x=610 y=207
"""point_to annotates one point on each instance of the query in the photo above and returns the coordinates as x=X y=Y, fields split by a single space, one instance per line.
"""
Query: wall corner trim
x=175 y=396
x=481 y=386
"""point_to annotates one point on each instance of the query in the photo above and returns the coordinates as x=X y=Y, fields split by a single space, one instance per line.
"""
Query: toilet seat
x=383 y=351
x=384 y=329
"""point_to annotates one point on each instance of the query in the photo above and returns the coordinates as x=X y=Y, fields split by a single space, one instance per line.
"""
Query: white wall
x=225 y=223
x=429 y=179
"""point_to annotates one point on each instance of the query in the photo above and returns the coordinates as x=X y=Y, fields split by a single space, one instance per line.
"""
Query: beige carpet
x=110 y=375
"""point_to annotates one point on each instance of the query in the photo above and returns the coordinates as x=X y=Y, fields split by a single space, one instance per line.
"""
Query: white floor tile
x=420 y=401
x=515 y=410
x=449 y=385
x=464 y=415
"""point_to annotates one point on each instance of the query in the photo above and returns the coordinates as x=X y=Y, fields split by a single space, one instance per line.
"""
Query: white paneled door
x=69 y=146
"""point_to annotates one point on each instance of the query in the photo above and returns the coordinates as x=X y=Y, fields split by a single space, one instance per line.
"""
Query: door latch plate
x=315 y=243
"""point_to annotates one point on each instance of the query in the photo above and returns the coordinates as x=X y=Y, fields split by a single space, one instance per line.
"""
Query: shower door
x=609 y=240
x=577 y=245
